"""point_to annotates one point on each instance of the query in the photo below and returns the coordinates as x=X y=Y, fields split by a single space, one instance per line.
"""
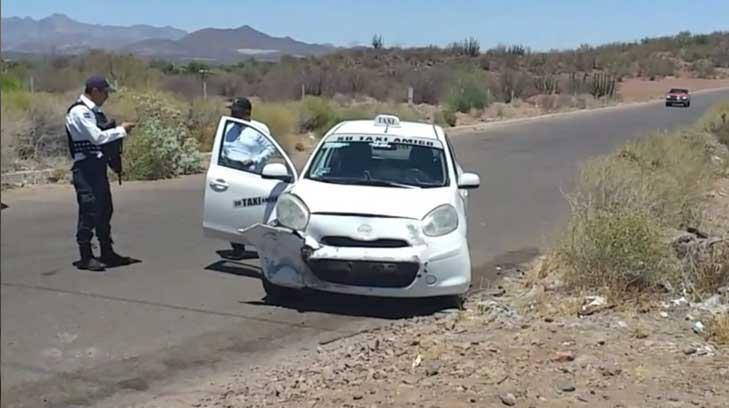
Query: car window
x=381 y=164
x=246 y=149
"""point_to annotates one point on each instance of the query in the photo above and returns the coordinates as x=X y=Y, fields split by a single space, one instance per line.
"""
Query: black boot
x=111 y=258
x=238 y=253
x=88 y=262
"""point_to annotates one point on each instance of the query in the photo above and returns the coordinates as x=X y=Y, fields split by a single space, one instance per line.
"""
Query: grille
x=365 y=273
x=355 y=243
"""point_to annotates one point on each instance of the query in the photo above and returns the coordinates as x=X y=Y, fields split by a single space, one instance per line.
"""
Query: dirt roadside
x=520 y=343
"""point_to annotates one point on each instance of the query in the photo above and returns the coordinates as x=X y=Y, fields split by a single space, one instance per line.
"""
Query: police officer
x=89 y=133
x=251 y=151
x=246 y=146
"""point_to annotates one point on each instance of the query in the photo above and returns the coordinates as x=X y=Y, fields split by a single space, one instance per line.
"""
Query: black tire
x=668 y=104
x=279 y=294
x=688 y=104
x=456 y=301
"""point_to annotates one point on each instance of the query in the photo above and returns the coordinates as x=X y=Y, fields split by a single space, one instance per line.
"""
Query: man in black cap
x=88 y=130
x=252 y=151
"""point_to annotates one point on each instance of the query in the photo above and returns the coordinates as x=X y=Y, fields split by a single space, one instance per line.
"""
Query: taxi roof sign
x=387 y=120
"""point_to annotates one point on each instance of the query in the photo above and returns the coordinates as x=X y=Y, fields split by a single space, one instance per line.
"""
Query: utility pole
x=204 y=78
x=32 y=84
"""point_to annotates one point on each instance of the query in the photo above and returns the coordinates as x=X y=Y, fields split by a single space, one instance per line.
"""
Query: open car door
x=237 y=195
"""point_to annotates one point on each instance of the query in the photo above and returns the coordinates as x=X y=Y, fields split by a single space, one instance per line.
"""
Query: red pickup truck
x=678 y=96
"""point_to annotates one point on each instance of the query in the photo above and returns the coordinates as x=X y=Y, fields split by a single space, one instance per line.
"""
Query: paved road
x=77 y=338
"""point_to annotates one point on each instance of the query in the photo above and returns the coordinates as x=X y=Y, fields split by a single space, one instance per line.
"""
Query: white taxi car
x=379 y=209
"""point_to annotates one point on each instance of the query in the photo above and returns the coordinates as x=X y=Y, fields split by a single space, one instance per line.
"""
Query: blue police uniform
x=88 y=131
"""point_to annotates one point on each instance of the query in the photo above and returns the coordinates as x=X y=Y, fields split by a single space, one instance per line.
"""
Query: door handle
x=218 y=184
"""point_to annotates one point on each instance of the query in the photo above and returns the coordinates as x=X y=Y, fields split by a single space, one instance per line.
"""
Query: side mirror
x=469 y=181
x=276 y=171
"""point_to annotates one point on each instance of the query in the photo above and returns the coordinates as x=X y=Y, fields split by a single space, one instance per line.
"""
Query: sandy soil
x=501 y=351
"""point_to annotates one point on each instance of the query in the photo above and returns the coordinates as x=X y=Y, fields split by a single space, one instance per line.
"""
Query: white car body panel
x=362 y=216
x=234 y=198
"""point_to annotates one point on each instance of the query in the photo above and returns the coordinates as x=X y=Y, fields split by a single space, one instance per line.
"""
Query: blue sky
x=538 y=24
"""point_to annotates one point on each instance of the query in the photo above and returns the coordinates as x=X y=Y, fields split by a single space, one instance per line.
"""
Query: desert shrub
x=716 y=122
x=663 y=174
x=10 y=83
x=655 y=67
x=280 y=118
x=187 y=86
x=202 y=120
x=159 y=151
x=446 y=117
x=315 y=114
x=428 y=85
x=513 y=84
x=703 y=68
x=616 y=249
x=281 y=83
x=161 y=146
x=721 y=131
x=15 y=100
x=468 y=91
x=718 y=329
x=625 y=206
x=43 y=135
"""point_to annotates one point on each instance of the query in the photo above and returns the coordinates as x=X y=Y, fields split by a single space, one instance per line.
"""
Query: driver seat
x=421 y=158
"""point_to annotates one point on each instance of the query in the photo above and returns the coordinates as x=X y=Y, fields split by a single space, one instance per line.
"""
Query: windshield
x=677 y=90
x=386 y=164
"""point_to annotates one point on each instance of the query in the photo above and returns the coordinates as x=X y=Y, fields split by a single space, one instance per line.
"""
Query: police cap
x=98 y=82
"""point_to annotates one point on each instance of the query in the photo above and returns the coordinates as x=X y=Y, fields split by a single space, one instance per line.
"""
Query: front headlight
x=442 y=220
x=291 y=212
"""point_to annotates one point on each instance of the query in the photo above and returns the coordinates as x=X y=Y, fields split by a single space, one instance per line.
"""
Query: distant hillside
x=228 y=45
x=62 y=35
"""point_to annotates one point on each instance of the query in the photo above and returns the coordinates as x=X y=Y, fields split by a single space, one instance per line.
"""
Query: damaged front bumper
x=295 y=260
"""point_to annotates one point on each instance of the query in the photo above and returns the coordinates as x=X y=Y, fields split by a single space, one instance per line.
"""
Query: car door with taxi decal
x=248 y=171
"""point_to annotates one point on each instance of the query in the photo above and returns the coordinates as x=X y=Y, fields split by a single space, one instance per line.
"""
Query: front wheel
x=688 y=104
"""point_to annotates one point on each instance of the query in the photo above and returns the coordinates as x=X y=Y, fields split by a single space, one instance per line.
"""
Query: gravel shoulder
x=521 y=342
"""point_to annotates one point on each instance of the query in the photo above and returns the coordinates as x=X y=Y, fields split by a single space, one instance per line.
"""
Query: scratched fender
x=280 y=252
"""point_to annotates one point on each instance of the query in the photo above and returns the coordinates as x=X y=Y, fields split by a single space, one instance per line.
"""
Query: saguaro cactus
x=547 y=84
x=602 y=85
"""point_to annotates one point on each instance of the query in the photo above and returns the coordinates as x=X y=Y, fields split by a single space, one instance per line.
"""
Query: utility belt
x=112 y=151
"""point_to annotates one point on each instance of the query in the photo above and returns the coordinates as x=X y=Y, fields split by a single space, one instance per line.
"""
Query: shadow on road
x=235 y=268
x=359 y=306
x=377 y=307
x=332 y=303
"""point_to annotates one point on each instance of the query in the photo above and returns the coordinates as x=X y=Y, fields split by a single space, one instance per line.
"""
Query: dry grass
x=625 y=210
x=718 y=329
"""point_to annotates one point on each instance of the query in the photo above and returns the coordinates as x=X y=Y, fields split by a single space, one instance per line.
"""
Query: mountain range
x=59 y=34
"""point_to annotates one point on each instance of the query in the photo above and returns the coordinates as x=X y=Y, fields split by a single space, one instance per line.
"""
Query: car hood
x=413 y=203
